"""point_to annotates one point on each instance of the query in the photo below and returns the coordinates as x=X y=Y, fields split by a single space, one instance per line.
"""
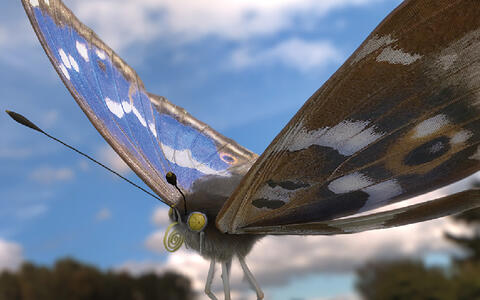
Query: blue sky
x=243 y=67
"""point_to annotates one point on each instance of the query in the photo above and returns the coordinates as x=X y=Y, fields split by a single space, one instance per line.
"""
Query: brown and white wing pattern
x=448 y=205
x=398 y=119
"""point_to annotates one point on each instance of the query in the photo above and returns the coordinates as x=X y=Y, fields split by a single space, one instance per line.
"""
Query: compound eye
x=197 y=221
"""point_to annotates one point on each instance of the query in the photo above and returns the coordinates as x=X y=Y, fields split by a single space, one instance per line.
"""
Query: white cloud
x=110 y=158
x=11 y=255
x=31 y=211
x=295 y=53
x=188 y=20
x=154 y=242
x=16 y=38
x=49 y=118
x=49 y=175
x=83 y=165
x=160 y=217
x=340 y=297
x=103 y=215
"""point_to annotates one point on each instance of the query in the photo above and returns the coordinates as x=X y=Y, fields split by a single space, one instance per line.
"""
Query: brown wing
x=399 y=118
x=452 y=204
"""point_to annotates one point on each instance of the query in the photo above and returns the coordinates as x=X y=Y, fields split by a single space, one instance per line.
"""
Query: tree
x=470 y=244
x=9 y=287
x=466 y=269
x=409 y=279
x=403 y=280
x=70 y=279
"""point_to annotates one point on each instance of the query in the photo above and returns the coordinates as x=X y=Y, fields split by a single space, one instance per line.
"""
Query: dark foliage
x=470 y=244
x=403 y=280
x=409 y=279
x=69 y=279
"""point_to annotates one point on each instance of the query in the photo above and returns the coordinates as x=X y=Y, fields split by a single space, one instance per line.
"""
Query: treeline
x=72 y=280
x=412 y=280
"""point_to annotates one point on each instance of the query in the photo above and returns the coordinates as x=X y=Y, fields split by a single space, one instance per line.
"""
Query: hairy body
x=208 y=196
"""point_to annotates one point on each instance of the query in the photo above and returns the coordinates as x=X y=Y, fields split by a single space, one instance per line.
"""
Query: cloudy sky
x=242 y=66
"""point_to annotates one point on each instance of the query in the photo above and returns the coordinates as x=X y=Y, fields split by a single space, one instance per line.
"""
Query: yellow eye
x=197 y=221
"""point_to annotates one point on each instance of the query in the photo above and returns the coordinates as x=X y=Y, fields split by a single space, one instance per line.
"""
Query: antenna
x=26 y=122
x=172 y=179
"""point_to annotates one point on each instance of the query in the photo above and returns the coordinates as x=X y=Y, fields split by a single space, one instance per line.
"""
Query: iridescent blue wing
x=148 y=132
x=194 y=149
x=400 y=118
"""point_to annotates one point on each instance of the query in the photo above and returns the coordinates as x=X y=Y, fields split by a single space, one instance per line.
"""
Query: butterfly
x=398 y=119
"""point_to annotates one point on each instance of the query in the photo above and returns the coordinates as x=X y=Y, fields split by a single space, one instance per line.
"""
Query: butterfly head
x=183 y=229
x=196 y=221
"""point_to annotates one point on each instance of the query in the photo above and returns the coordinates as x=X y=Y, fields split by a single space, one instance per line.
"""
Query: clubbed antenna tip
x=22 y=120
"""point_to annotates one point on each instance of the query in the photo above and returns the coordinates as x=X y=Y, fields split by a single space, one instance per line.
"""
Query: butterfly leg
x=251 y=279
x=229 y=267
x=226 y=279
x=208 y=285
